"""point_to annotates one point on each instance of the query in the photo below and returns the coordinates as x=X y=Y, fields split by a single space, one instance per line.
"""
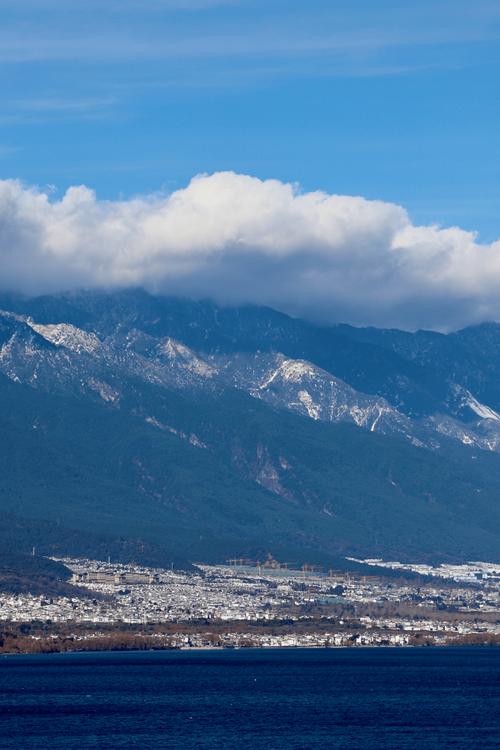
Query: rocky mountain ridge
x=93 y=361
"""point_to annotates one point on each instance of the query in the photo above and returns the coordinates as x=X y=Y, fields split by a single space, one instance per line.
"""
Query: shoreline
x=191 y=649
x=38 y=638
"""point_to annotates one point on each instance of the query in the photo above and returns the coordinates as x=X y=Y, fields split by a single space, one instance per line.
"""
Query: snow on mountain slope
x=483 y=411
x=61 y=356
x=483 y=433
x=54 y=358
x=164 y=361
x=174 y=352
x=309 y=390
x=68 y=336
x=303 y=387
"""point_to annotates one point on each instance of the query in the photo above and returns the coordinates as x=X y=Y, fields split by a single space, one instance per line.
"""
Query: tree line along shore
x=41 y=638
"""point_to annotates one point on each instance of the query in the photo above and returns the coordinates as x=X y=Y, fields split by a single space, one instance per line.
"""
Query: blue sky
x=391 y=100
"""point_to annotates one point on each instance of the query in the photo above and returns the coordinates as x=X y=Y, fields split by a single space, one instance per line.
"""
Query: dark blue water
x=378 y=699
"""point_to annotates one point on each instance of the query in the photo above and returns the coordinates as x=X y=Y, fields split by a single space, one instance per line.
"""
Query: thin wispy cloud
x=54 y=108
x=131 y=31
x=117 y=5
x=56 y=104
x=114 y=47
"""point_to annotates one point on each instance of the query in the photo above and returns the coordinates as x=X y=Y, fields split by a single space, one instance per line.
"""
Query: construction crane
x=308 y=568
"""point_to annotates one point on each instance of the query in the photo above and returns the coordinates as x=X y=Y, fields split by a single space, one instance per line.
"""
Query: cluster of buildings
x=362 y=610
x=460 y=573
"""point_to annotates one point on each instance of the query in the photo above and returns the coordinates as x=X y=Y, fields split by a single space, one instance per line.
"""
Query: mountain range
x=167 y=430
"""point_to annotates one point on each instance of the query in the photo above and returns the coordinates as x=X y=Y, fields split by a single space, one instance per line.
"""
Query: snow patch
x=185 y=357
x=192 y=438
x=483 y=411
x=291 y=370
x=105 y=391
x=381 y=412
x=313 y=410
x=67 y=336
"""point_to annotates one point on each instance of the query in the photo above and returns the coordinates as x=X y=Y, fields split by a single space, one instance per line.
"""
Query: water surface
x=345 y=699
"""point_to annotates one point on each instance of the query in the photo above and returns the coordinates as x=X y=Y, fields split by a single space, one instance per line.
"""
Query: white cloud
x=239 y=239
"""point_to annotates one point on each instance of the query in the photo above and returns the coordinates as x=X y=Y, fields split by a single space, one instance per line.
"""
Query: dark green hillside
x=97 y=477
x=34 y=574
x=105 y=474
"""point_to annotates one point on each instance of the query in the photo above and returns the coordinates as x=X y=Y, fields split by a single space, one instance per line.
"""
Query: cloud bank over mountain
x=239 y=239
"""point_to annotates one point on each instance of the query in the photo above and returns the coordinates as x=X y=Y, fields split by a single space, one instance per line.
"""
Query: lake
x=350 y=699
